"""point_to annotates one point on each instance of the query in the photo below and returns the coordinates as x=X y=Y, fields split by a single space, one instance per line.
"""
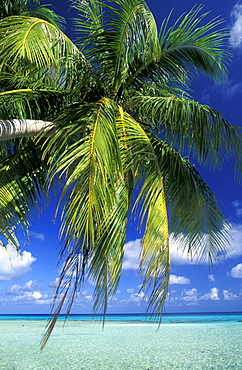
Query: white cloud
x=27 y=287
x=211 y=277
x=229 y=296
x=54 y=283
x=181 y=280
x=236 y=271
x=14 y=265
x=26 y=292
x=88 y=297
x=213 y=295
x=138 y=297
x=230 y=89
x=131 y=255
x=238 y=207
x=236 y=28
x=190 y=296
x=44 y=300
x=28 y=296
x=180 y=255
x=236 y=243
x=38 y=236
x=130 y=290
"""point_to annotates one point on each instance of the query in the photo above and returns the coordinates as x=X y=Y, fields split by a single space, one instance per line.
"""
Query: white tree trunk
x=12 y=129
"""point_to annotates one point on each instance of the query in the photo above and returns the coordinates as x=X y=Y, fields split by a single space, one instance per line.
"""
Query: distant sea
x=128 y=342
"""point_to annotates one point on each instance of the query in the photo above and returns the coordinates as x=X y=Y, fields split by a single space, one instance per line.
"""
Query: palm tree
x=110 y=121
x=28 y=8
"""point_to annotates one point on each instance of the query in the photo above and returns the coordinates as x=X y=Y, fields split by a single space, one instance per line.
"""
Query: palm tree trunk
x=12 y=129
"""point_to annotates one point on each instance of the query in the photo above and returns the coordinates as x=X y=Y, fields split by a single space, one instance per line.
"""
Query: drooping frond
x=191 y=127
x=192 y=45
x=27 y=42
x=151 y=210
x=22 y=182
x=31 y=104
x=95 y=198
x=180 y=51
x=195 y=219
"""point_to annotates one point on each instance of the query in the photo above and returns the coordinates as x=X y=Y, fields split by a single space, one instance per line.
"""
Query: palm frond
x=195 y=219
x=185 y=49
x=27 y=41
x=22 y=184
x=151 y=208
x=30 y=8
x=94 y=201
x=194 y=46
x=31 y=104
x=192 y=127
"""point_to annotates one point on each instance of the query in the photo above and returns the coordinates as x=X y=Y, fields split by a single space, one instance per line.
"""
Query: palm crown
x=122 y=125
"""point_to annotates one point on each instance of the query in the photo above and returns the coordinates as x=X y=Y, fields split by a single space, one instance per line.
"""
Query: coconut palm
x=28 y=8
x=110 y=121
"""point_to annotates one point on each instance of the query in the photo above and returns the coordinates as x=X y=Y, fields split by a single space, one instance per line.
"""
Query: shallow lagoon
x=182 y=342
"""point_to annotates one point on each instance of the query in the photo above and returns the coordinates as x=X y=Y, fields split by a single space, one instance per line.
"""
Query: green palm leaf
x=35 y=42
x=192 y=127
x=22 y=180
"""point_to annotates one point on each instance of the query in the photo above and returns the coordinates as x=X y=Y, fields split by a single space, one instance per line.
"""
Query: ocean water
x=128 y=342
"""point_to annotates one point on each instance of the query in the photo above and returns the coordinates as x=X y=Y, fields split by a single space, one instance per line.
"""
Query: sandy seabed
x=121 y=346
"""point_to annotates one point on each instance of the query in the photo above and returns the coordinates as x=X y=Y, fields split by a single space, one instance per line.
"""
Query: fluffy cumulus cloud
x=130 y=290
x=238 y=207
x=136 y=298
x=235 y=250
x=190 y=296
x=14 y=265
x=131 y=255
x=180 y=280
x=211 y=277
x=27 y=287
x=236 y=28
x=28 y=296
x=25 y=293
x=229 y=296
x=54 y=283
x=180 y=255
x=236 y=271
x=212 y=295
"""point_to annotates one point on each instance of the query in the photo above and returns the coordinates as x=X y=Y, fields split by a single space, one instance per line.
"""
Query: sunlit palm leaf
x=34 y=41
x=192 y=127
x=22 y=181
x=31 y=104
x=194 y=216
x=193 y=45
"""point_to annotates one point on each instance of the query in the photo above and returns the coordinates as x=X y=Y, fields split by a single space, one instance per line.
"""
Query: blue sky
x=27 y=282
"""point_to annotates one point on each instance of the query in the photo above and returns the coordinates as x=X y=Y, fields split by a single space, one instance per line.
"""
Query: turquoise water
x=128 y=342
